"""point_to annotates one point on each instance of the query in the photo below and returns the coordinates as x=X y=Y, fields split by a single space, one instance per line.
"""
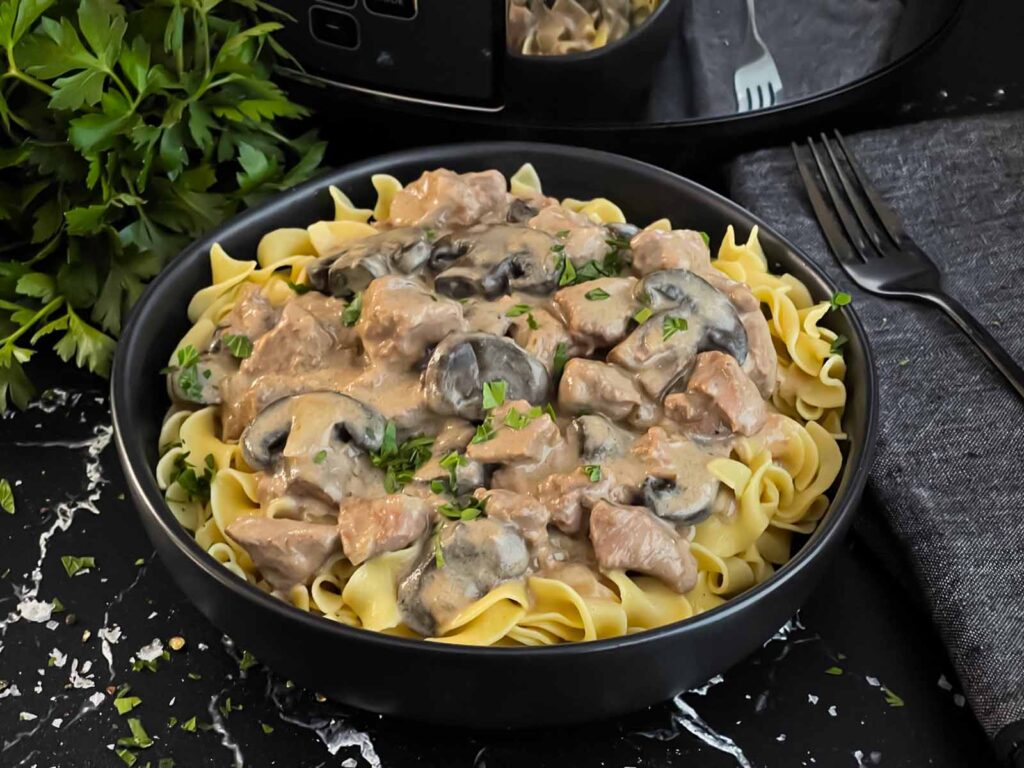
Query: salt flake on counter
x=38 y=611
x=812 y=698
x=944 y=684
x=151 y=651
x=52 y=624
x=96 y=699
x=58 y=659
x=872 y=681
x=832 y=711
x=27 y=716
x=111 y=634
x=57 y=722
x=11 y=690
x=959 y=700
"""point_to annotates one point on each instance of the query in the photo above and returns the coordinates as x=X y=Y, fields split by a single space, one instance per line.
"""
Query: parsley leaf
x=671 y=325
x=125 y=704
x=473 y=508
x=531 y=321
x=836 y=347
x=839 y=299
x=6 y=496
x=560 y=359
x=597 y=294
x=517 y=420
x=494 y=393
x=400 y=462
x=299 y=288
x=518 y=310
x=320 y=457
x=566 y=269
x=452 y=462
x=705 y=238
x=436 y=543
x=484 y=432
x=834 y=671
x=593 y=472
x=350 y=315
x=239 y=345
x=643 y=315
x=73 y=565
x=891 y=698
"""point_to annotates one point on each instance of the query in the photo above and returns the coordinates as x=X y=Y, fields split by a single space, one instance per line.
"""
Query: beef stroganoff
x=479 y=415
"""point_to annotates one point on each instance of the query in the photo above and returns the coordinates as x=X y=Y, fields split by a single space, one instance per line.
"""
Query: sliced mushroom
x=402 y=250
x=690 y=317
x=686 y=504
x=464 y=362
x=476 y=555
x=315 y=420
x=520 y=211
x=495 y=260
x=599 y=439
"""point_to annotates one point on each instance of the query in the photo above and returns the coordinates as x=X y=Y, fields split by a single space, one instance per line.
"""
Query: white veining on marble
x=220 y=727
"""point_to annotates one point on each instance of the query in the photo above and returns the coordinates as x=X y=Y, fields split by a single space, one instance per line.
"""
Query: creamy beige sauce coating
x=487 y=408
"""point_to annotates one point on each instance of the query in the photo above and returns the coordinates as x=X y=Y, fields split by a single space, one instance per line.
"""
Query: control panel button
x=334 y=27
x=399 y=9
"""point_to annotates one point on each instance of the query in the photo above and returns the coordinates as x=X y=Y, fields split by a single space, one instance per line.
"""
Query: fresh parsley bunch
x=128 y=128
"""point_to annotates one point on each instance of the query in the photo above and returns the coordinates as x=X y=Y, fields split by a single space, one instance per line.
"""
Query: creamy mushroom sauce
x=558 y=27
x=505 y=382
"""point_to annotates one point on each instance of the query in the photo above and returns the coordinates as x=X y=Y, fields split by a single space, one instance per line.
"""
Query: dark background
x=778 y=708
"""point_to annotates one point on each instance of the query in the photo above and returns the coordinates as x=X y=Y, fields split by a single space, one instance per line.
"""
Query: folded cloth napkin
x=948 y=479
x=816 y=46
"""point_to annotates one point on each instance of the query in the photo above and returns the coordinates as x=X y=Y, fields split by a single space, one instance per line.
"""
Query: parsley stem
x=41 y=314
x=17 y=74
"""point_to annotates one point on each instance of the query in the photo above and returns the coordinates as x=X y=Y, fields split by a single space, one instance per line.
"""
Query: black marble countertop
x=858 y=678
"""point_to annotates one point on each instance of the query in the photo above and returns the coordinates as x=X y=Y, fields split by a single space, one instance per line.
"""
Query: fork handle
x=985 y=341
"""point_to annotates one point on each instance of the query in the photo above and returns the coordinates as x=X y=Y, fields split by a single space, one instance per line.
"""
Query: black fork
x=870 y=244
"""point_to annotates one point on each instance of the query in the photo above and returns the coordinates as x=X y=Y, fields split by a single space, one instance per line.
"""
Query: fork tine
x=867 y=221
x=853 y=230
x=831 y=228
x=885 y=214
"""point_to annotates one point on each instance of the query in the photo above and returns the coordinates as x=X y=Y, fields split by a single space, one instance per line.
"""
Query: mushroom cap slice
x=464 y=362
x=312 y=419
x=687 y=505
x=599 y=438
x=402 y=250
x=495 y=260
x=662 y=355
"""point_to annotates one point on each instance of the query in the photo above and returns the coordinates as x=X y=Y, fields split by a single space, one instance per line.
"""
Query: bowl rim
x=149 y=500
x=593 y=53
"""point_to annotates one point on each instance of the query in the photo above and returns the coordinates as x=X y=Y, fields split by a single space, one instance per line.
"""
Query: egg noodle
x=778 y=477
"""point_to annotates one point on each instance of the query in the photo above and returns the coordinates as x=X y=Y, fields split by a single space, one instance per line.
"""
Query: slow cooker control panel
x=443 y=51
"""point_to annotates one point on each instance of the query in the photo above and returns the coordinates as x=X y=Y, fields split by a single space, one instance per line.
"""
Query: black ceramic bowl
x=486 y=687
x=621 y=71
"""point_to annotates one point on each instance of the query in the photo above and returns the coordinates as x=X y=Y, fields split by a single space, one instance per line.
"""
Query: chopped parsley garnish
x=320 y=457
x=438 y=487
x=58 y=606
x=126 y=704
x=517 y=420
x=531 y=321
x=705 y=238
x=560 y=359
x=197 y=486
x=194 y=676
x=566 y=269
x=188 y=378
x=549 y=409
x=438 y=549
x=431 y=234
x=518 y=310
x=891 y=698
x=299 y=288
x=562 y=234
x=227 y=707
x=350 y=315
x=617 y=243
x=471 y=511
x=400 y=462
x=643 y=315
x=189 y=725
x=494 y=393
x=597 y=294
x=837 y=345
x=452 y=462
x=127 y=756
x=247 y=661
x=670 y=326
x=267 y=729
x=834 y=671
x=484 y=432
x=139 y=738
x=73 y=565
x=6 y=496
x=840 y=299
x=593 y=472
x=239 y=345
x=591 y=270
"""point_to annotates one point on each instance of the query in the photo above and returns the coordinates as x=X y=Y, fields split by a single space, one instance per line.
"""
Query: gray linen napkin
x=816 y=45
x=949 y=475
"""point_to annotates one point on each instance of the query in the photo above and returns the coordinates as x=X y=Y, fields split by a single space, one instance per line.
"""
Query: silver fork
x=872 y=247
x=757 y=82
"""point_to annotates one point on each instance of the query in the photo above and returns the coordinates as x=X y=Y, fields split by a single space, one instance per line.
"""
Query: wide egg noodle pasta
x=778 y=480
